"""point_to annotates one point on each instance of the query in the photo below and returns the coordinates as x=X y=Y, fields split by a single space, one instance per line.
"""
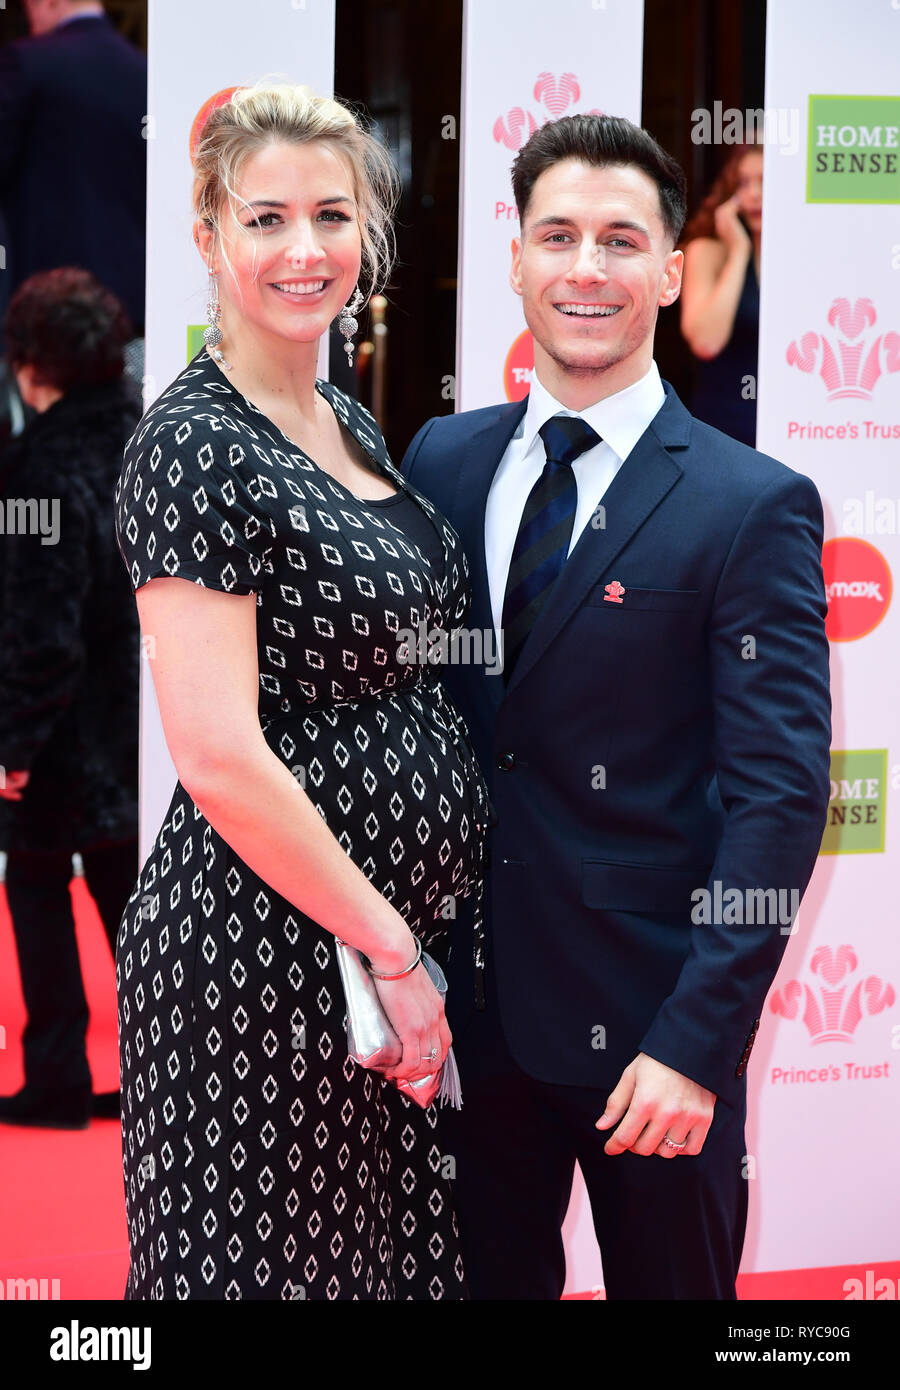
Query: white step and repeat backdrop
x=825 y=1076
x=823 y=1081
x=524 y=63
x=195 y=52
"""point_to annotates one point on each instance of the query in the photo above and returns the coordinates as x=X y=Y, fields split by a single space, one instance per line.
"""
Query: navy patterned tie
x=545 y=532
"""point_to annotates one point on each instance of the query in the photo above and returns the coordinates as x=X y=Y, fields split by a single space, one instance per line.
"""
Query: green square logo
x=854 y=150
x=195 y=339
x=856 y=807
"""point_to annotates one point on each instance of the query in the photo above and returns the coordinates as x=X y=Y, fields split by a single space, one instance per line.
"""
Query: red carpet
x=62 y=1206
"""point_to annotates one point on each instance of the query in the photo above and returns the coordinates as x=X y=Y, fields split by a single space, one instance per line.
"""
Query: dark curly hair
x=68 y=327
x=601 y=141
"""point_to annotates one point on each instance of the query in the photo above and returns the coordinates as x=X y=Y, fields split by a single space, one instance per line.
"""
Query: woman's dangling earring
x=213 y=334
x=348 y=325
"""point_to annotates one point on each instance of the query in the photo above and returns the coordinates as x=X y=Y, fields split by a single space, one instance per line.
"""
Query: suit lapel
x=641 y=483
x=644 y=479
x=479 y=463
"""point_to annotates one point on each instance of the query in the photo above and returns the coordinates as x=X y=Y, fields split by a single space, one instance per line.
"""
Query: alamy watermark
x=730 y=907
x=871 y=515
x=84 y=1343
x=30 y=516
x=462 y=647
x=770 y=125
x=872 y=1288
x=24 y=1290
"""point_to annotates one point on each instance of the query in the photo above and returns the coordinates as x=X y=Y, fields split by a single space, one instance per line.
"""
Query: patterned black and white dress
x=259 y=1161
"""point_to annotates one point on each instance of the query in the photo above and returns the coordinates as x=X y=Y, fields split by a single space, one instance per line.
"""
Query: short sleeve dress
x=259 y=1161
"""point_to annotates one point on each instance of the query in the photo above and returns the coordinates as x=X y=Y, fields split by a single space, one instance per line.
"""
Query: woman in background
x=720 y=296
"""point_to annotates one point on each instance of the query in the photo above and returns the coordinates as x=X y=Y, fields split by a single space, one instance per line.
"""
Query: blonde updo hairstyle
x=266 y=112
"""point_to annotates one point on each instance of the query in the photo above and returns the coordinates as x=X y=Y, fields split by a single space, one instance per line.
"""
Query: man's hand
x=12 y=784
x=657 y=1102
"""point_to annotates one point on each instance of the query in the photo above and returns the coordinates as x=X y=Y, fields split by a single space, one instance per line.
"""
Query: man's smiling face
x=593 y=263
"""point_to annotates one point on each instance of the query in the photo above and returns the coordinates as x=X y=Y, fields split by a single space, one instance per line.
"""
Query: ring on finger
x=671 y=1144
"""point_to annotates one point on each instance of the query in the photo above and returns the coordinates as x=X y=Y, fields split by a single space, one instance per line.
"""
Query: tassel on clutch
x=371 y=1040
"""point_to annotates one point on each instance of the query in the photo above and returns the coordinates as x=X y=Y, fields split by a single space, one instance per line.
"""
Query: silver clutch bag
x=372 y=1042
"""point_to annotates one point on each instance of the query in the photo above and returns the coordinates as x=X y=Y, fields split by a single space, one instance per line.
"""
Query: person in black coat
x=73 y=101
x=69 y=668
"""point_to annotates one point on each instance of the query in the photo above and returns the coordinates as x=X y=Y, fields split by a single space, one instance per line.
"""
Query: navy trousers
x=667 y=1228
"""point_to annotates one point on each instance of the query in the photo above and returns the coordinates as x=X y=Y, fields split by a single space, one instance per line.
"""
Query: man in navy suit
x=73 y=151
x=657 y=749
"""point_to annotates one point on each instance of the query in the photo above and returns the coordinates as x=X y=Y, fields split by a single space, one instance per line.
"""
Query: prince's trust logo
x=832 y=1012
x=554 y=94
x=831 y=1008
x=852 y=358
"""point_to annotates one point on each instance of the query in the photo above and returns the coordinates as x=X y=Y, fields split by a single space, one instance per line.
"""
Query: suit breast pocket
x=647 y=888
x=631 y=599
x=651 y=646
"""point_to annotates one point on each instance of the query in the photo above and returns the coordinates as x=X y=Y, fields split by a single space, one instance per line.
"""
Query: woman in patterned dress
x=327 y=786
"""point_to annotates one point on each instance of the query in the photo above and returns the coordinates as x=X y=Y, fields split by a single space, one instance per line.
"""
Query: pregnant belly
x=395 y=780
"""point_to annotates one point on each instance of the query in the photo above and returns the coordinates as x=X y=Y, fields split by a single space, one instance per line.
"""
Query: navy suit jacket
x=644 y=750
x=73 y=156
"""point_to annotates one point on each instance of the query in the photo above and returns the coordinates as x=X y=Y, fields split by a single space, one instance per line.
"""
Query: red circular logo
x=206 y=110
x=858 y=587
x=519 y=366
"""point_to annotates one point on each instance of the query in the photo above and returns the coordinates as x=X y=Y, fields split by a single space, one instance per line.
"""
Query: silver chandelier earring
x=213 y=334
x=348 y=325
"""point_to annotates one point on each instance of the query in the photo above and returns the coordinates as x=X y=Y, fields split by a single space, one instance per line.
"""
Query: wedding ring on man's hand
x=672 y=1145
x=432 y=1056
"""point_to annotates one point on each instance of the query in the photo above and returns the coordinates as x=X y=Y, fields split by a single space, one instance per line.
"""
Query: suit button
x=506 y=762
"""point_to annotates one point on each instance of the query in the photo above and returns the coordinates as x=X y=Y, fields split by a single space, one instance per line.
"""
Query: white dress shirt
x=620 y=420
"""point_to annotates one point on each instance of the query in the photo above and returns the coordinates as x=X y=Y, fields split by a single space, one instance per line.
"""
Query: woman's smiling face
x=295 y=258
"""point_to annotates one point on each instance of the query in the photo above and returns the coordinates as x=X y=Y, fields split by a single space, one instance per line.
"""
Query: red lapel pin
x=613 y=592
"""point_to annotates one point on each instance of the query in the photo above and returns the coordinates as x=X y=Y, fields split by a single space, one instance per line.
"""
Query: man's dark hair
x=601 y=141
x=68 y=327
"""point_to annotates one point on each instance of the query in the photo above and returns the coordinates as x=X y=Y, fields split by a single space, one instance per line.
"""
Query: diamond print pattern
x=282 y=1171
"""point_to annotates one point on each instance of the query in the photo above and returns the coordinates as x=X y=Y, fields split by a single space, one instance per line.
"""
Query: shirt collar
x=619 y=419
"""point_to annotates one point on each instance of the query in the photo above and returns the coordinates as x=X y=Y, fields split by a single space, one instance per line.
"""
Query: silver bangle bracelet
x=377 y=974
